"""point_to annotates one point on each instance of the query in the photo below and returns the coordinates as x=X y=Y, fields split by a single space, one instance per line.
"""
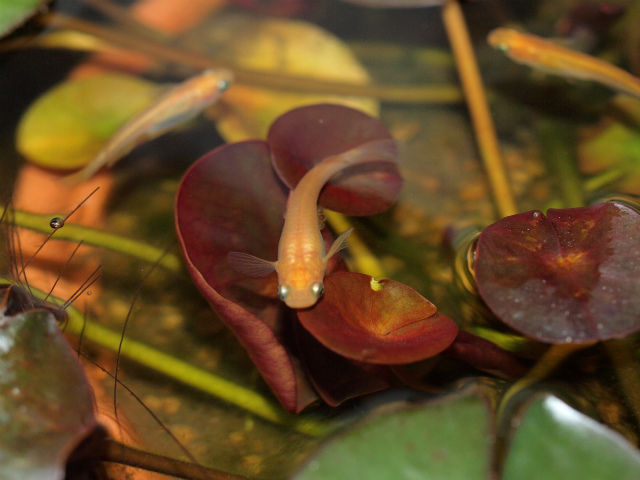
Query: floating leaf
x=46 y=406
x=390 y=323
x=450 y=439
x=278 y=46
x=614 y=144
x=570 y=276
x=14 y=12
x=555 y=442
x=304 y=136
x=67 y=126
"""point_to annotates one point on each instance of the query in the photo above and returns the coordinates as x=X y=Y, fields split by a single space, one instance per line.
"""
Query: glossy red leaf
x=304 y=136
x=570 y=276
x=388 y=323
x=231 y=200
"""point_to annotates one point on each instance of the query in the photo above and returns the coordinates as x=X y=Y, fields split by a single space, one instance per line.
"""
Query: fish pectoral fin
x=250 y=265
x=338 y=244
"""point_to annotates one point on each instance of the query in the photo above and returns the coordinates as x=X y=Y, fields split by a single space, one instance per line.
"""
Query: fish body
x=554 y=59
x=302 y=260
x=179 y=104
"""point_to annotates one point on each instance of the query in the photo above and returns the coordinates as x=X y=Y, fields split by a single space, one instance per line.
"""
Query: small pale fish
x=554 y=59
x=180 y=103
x=302 y=259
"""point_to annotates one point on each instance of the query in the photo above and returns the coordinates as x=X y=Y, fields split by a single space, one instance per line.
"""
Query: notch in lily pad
x=571 y=276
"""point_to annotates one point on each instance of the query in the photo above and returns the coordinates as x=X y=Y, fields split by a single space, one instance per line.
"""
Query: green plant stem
x=125 y=455
x=185 y=373
x=627 y=370
x=476 y=99
x=550 y=360
x=560 y=161
x=90 y=236
x=438 y=94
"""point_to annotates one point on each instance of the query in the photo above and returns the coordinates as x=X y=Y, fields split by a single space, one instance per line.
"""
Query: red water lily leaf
x=304 y=136
x=388 y=323
x=570 y=276
x=231 y=200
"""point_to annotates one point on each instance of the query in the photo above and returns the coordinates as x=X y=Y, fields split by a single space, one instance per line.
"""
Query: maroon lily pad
x=569 y=277
x=231 y=200
x=304 y=136
x=390 y=323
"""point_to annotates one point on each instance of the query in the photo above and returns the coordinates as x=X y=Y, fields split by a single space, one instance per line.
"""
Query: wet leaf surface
x=570 y=276
x=588 y=449
x=14 y=12
x=302 y=137
x=46 y=406
x=68 y=125
x=389 y=323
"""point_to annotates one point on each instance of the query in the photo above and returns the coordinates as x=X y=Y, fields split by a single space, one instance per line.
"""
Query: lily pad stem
x=433 y=94
x=547 y=363
x=478 y=108
x=362 y=259
x=90 y=236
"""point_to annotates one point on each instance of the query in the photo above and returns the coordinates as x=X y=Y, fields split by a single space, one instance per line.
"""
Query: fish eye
x=316 y=289
x=223 y=85
x=283 y=291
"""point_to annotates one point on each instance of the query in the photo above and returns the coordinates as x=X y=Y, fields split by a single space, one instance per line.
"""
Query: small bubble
x=56 y=223
x=536 y=214
x=89 y=292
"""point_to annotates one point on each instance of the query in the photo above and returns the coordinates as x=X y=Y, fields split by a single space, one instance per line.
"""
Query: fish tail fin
x=381 y=150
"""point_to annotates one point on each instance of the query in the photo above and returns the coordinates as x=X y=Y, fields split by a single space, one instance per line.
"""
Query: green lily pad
x=46 y=405
x=67 y=126
x=554 y=441
x=15 y=12
x=450 y=439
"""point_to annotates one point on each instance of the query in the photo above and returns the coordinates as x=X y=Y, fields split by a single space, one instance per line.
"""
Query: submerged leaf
x=46 y=405
x=14 y=12
x=279 y=46
x=383 y=322
x=570 y=276
x=67 y=126
x=303 y=137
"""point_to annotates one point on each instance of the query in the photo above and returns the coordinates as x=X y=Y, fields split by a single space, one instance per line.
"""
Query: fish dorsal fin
x=338 y=244
x=250 y=265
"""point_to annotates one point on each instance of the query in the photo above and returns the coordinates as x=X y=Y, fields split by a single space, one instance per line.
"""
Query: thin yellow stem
x=478 y=108
x=362 y=259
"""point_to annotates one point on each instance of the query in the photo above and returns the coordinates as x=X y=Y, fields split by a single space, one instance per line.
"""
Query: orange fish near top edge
x=302 y=260
x=539 y=53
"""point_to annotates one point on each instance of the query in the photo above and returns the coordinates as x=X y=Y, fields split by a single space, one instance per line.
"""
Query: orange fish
x=302 y=259
x=181 y=103
x=551 y=58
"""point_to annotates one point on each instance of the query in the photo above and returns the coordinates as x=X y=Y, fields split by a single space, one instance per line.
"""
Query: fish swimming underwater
x=551 y=58
x=181 y=103
x=302 y=260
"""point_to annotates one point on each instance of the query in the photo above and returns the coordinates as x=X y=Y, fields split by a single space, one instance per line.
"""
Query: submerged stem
x=264 y=79
x=90 y=236
x=626 y=368
x=478 y=108
x=363 y=260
